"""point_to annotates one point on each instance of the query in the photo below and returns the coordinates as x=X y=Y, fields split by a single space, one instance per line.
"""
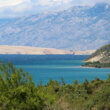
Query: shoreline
x=95 y=67
x=37 y=54
x=43 y=54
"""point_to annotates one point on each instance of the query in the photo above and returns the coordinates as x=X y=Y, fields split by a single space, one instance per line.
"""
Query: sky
x=16 y=8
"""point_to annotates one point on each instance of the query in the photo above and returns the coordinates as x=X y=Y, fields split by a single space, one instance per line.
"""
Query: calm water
x=45 y=67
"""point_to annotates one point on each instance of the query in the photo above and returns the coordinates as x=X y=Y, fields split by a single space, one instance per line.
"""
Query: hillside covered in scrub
x=18 y=92
x=101 y=58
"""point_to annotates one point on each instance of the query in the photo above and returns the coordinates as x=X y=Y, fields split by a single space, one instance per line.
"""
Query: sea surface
x=45 y=67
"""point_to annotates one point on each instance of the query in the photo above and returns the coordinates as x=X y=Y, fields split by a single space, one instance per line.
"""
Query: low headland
x=29 y=50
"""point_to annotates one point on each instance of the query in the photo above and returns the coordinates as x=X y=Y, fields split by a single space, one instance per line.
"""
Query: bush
x=17 y=90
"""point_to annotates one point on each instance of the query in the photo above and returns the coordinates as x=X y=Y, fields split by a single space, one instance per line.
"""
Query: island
x=28 y=50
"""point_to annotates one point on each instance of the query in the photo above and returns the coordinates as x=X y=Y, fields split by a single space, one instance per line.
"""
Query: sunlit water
x=45 y=67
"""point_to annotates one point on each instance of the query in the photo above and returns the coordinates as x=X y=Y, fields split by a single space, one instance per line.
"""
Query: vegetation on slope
x=104 y=52
x=18 y=92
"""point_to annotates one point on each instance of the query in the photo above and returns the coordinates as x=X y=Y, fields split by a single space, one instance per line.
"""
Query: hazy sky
x=13 y=8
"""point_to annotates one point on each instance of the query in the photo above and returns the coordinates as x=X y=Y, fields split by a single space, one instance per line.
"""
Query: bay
x=46 y=67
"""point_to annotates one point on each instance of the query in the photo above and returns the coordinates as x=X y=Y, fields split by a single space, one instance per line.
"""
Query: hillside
x=67 y=29
x=83 y=52
x=5 y=49
x=100 y=58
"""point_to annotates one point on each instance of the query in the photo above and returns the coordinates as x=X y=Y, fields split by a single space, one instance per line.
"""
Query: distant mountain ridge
x=77 y=28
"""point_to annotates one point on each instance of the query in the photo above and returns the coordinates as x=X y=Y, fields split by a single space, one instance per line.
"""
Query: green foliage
x=18 y=92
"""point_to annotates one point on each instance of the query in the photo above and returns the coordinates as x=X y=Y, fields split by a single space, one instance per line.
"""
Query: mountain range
x=76 y=28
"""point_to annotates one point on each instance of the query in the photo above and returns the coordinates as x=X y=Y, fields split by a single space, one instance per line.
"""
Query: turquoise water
x=45 y=67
